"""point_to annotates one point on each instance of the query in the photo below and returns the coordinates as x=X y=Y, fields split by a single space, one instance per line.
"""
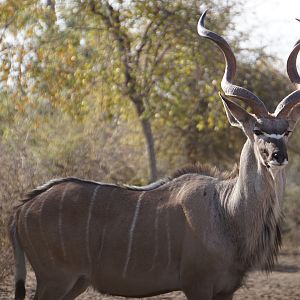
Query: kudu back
x=198 y=231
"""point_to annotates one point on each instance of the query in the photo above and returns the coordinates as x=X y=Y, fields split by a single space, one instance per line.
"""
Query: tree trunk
x=51 y=3
x=150 y=148
x=112 y=20
x=147 y=130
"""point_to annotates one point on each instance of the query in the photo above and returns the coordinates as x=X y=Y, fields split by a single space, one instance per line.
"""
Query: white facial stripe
x=274 y=135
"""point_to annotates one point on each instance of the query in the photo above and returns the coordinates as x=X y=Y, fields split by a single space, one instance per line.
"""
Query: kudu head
x=268 y=132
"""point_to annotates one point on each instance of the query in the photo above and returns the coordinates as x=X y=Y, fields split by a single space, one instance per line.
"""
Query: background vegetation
x=121 y=91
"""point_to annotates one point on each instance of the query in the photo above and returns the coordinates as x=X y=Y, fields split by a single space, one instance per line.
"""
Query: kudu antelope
x=197 y=232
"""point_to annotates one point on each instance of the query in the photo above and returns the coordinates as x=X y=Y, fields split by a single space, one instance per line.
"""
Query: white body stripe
x=136 y=212
x=168 y=237
x=62 y=242
x=44 y=236
x=102 y=239
x=87 y=233
x=102 y=245
x=155 y=239
x=26 y=227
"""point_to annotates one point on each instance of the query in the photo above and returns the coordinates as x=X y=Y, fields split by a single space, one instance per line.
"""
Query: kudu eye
x=257 y=132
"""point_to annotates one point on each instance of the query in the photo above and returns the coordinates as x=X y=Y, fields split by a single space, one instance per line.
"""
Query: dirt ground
x=282 y=284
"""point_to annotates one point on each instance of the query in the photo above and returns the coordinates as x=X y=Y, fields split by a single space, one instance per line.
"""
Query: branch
x=143 y=41
x=87 y=28
x=51 y=4
x=113 y=23
x=151 y=82
x=147 y=33
x=6 y=27
x=94 y=11
x=158 y=56
x=20 y=75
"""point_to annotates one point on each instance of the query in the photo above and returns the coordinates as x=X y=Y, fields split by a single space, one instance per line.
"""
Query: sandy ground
x=282 y=284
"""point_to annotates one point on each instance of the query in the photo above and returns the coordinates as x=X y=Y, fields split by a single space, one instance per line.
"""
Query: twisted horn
x=291 y=66
x=287 y=104
x=230 y=68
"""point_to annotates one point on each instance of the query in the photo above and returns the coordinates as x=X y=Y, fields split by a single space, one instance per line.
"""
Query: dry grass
x=25 y=167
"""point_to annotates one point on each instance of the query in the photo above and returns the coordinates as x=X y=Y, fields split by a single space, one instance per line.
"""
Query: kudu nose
x=279 y=156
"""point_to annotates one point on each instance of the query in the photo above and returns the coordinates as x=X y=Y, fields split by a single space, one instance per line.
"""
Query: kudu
x=197 y=232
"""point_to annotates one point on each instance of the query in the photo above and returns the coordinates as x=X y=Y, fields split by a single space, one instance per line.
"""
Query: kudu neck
x=254 y=184
x=256 y=180
x=253 y=209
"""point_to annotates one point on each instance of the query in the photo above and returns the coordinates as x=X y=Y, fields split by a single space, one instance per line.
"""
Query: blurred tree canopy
x=99 y=82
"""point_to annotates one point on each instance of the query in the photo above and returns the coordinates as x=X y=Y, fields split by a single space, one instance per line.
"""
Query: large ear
x=236 y=115
x=294 y=116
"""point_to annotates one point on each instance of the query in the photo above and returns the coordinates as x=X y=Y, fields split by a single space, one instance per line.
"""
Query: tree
x=144 y=51
x=141 y=58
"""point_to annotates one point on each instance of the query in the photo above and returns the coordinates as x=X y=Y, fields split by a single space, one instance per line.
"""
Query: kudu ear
x=236 y=115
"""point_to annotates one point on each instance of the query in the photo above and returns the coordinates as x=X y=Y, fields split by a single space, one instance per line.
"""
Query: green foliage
x=143 y=52
x=118 y=58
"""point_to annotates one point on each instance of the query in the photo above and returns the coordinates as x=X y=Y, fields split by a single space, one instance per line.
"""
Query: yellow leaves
x=30 y=32
x=210 y=121
x=201 y=126
x=4 y=76
x=19 y=107
x=40 y=54
x=7 y=9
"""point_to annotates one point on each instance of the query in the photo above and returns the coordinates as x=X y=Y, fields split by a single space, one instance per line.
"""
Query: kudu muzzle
x=274 y=152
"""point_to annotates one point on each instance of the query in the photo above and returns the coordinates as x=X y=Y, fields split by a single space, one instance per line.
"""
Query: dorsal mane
x=43 y=188
x=151 y=186
x=206 y=170
x=203 y=169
